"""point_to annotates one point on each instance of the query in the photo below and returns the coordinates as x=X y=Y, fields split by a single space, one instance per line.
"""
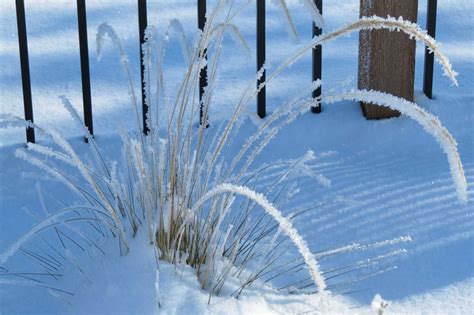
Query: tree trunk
x=387 y=59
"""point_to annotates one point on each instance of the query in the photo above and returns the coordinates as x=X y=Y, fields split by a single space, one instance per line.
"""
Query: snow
x=379 y=304
x=430 y=123
x=457 y=298
x=389 y=180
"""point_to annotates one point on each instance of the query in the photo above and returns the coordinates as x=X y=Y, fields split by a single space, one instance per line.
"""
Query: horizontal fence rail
x=203 y=80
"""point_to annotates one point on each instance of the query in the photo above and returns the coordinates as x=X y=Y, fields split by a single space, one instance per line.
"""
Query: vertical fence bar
x=201 y=11
x=429 y=57
x=25 y=67
x=317 y=59
x=142 y=24
x=85 y=73
x=261 y=97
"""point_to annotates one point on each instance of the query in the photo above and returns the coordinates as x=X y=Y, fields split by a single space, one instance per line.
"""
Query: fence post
x=201 y=8
x=317 y=59
x=387 y=59
x=142 y=24
x=85 y=73
x=261 y=97
x=429 y=57
x=25 y=67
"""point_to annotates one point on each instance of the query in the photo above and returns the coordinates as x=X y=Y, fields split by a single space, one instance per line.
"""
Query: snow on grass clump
x=177 y=184
x=49 y=222
x=284 y=224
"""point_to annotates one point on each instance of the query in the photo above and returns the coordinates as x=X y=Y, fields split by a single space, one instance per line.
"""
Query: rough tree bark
x=387 y=59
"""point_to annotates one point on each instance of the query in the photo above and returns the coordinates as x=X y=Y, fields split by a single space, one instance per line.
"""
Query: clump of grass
x=175 y=182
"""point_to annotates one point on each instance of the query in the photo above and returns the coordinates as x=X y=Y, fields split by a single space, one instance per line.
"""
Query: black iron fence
x=201 y=12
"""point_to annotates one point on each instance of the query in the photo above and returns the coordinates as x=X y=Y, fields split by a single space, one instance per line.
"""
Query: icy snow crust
x=388 y=178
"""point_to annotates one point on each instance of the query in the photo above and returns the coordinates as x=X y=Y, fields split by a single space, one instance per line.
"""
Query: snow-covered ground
x=389 y=178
